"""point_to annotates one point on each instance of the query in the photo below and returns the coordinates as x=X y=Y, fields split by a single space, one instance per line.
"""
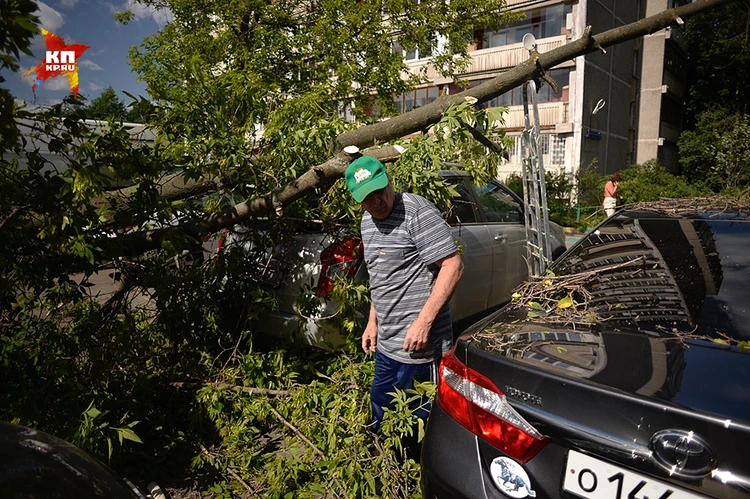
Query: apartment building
x=640 y=84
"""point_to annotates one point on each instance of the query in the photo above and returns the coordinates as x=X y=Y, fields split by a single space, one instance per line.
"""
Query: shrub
x=717 y=152
x=650 y=182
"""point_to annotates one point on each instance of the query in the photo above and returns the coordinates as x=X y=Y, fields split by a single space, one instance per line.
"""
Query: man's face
x=379 y=203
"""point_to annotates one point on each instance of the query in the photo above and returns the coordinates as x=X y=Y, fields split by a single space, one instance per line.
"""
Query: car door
x=476 y=247
x=503 y=215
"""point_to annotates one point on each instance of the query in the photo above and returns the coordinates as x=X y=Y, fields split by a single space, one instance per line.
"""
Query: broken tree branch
x=407 y=123
x=246 y=389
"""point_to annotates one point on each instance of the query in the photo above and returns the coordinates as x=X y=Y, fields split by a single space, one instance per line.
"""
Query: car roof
x=454 y=173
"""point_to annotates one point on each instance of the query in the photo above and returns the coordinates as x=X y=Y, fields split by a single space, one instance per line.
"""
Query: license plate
x=594 y=479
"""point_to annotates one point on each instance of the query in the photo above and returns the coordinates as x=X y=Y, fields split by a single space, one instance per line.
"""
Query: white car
x=486 y=222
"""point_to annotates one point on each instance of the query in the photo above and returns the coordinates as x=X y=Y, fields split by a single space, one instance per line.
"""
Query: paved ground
x=571 y=239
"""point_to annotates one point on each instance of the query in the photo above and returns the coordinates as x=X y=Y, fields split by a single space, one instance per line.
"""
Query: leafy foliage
x=144 y=376
x=106 y=107
x=650 y=182
x=719 y=64
x=716 y=152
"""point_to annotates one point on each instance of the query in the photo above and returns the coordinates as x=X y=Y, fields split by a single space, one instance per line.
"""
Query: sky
x=105 y=64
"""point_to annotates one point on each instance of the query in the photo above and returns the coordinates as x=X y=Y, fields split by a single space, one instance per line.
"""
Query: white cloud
x=95 y=87
x=160 y=16
x=68 y=4
x=55 y=84
x=49 y=18
x=89 y=64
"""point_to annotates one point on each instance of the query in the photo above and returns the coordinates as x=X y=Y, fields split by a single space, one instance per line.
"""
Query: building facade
x=640 y=83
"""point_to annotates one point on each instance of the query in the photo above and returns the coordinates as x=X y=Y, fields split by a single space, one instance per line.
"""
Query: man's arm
x=370 y=335
x=451 y=270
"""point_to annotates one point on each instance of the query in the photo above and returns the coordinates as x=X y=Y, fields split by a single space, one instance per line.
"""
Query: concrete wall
x=652 y=78
x=610 y=77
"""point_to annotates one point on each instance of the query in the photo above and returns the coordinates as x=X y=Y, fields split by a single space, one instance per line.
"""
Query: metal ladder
x=534 y=190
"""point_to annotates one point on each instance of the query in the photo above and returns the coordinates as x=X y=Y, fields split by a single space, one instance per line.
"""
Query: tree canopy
x=720 y=63
x=713 y=148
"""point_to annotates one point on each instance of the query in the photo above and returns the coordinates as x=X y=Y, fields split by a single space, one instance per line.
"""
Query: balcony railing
x=491 y=59
x=508 y=56
x=550 y=114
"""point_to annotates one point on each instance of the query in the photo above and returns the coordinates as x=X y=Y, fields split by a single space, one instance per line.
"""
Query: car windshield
x=679 y=273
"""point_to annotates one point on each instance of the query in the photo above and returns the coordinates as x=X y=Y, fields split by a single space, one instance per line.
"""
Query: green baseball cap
x=365 y=175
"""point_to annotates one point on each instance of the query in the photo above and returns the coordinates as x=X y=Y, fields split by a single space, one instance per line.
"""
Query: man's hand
x=370 y=336
x=416 y=336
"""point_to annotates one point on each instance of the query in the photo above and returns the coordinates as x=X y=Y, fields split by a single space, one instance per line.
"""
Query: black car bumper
x=456 y=464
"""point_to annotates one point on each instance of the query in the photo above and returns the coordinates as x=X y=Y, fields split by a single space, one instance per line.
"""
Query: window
x=498 y=205
x=415 y=98
x=543 y=144
x=671 y=111
x=558 y=150
x=462 y=211
x=514 y=97
x=674 y=61
x=542 y=23
x=421 y=97
x=408 y=101
x=547 y=93
x=413 y=55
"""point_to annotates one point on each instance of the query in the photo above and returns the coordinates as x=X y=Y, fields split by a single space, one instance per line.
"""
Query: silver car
x=487 y=223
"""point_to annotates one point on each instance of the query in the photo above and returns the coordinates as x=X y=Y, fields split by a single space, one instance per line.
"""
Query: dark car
x=34 y=464
x=622 y=376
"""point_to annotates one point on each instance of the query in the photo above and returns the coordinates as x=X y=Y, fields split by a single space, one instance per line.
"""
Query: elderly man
x=414 y=268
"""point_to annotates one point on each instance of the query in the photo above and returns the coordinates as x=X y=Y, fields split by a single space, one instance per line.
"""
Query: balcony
x=508 y=56
x=487 y=61
x=550 y=114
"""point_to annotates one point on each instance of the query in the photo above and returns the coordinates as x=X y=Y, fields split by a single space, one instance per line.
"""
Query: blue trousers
x=390 y=374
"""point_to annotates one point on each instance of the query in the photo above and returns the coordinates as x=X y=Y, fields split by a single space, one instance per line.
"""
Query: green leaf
x=532 y=315
x=721 y=341
x=127 y=434
x=535 y=305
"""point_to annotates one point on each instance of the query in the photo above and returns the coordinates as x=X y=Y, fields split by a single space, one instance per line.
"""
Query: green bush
x=590 y=185
x=716 y=153
x=650 y=182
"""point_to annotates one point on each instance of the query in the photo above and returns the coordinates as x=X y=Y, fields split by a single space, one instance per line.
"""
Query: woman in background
x=610 y=194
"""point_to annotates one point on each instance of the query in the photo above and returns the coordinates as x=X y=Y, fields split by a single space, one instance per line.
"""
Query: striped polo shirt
x=400 y=253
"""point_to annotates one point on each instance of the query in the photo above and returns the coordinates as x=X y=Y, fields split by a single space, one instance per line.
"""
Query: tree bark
x=407 y=123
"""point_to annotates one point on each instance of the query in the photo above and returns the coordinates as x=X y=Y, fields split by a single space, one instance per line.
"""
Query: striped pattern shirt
x=400 y=252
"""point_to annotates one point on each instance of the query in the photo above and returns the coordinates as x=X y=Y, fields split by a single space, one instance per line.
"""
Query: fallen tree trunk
x=411 y=122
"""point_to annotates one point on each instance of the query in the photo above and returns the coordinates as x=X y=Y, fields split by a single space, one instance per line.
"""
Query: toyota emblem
x=683 y=453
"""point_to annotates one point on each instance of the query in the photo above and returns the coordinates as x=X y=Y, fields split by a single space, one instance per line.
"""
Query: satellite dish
x=529 y=42
x=598 y=107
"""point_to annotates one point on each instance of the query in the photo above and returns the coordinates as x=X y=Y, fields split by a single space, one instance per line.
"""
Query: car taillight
x=338 y=261
x=222 y=240
x=479 y=406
